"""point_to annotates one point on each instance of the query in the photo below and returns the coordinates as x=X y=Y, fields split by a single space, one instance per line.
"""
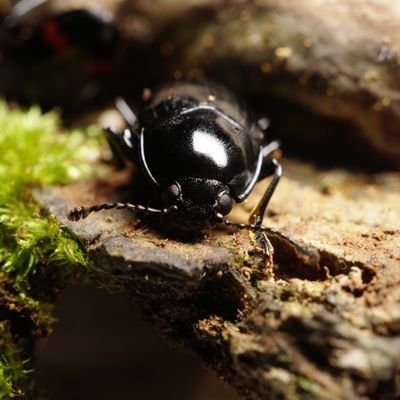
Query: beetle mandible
x=200 y=150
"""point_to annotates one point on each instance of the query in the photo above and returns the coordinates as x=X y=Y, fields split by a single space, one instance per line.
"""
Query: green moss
x=12 y=365
x=36 y=255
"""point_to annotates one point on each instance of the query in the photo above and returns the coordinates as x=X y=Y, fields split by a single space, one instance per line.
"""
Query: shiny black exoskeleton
x=199 y=150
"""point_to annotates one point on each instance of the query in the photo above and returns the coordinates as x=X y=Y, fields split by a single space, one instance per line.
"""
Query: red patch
x=53 y=37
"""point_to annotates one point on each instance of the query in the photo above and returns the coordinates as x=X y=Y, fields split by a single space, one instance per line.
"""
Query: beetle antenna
x=252 y=227
x=260 y=228
x=306 y=253
x=77 y=213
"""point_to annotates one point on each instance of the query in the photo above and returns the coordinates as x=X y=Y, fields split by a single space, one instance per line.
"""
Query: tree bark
x=322 y=322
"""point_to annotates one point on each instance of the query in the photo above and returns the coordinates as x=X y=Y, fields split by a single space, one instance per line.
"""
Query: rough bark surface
x=323 y=322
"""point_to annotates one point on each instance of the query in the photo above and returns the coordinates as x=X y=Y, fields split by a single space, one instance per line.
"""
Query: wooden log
x=323 y=322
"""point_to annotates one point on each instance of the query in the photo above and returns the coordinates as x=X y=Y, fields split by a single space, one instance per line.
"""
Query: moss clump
x=12 y=365
x=36 y=255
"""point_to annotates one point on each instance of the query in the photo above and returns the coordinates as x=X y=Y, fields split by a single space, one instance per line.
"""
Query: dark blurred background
x=102 y=350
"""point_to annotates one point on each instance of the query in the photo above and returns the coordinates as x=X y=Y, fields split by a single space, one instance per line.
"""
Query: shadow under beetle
x=200 y=150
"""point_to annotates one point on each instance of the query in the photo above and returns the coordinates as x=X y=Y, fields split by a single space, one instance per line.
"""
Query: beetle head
x=198 y=199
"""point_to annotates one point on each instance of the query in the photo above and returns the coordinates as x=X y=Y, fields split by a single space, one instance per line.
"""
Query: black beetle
x=200 y=151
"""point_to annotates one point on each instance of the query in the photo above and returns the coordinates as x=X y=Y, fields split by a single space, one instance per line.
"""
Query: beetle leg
x=123 y=145
x=257 y=214
x=127 y=113
x=263 y=123
x=114 y=141
x=309 y=255
x=270 y=151
x=271 y=148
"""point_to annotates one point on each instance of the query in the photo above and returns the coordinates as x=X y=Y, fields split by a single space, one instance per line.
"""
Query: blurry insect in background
x=54 y=55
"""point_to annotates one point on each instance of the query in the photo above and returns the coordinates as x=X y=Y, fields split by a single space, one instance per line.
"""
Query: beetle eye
x=224 y=205
x=172 y=194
